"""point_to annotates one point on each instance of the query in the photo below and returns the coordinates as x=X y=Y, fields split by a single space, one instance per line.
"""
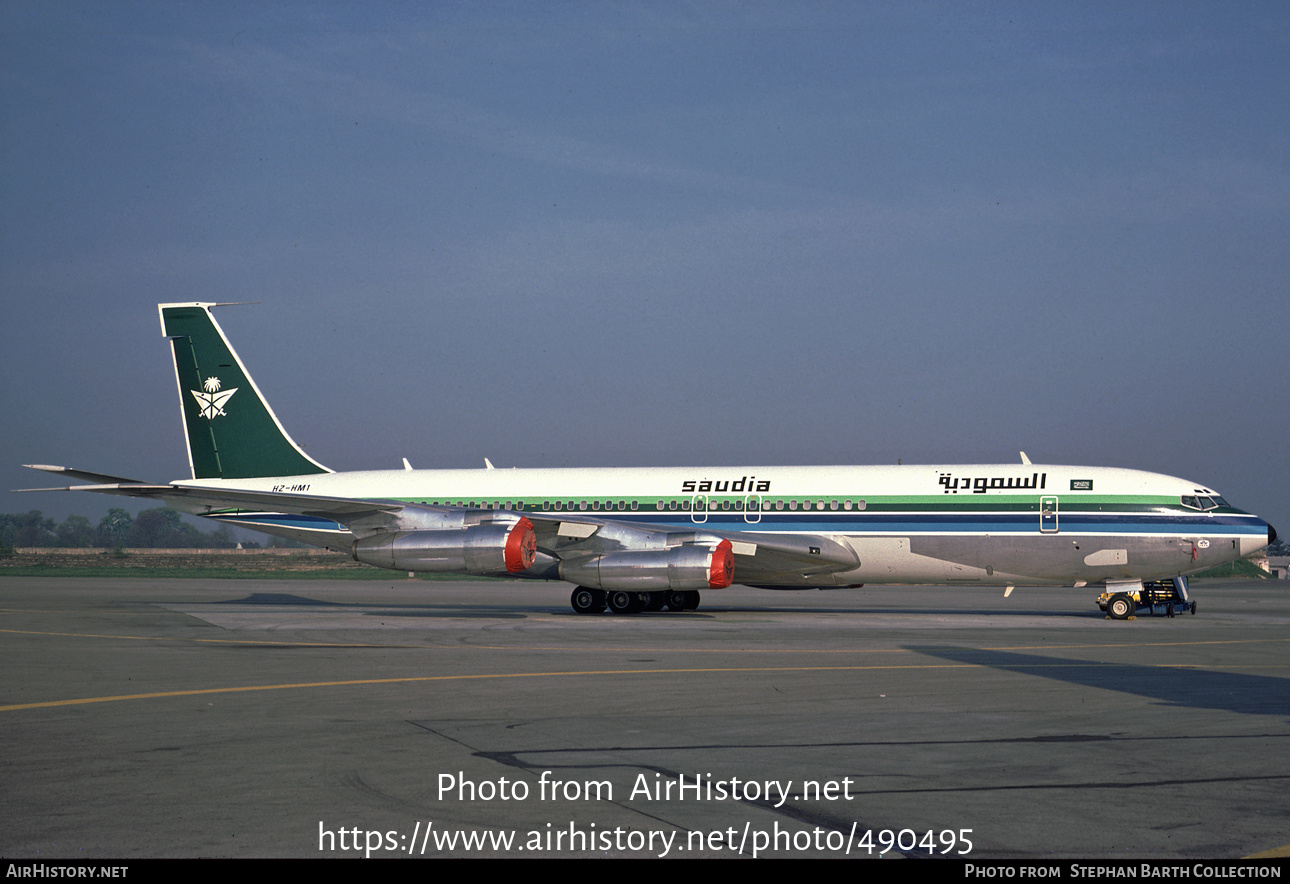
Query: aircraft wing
x=759 y=557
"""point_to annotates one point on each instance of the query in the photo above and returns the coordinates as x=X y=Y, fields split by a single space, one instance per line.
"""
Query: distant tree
x=159 y=527
x=76 y=531
x=26 y=529
x=162 y=528
x=276 y=542
x=113 y=529
x=220 y=538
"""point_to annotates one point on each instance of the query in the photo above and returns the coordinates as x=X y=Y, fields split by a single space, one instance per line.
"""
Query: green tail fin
x=232 y=433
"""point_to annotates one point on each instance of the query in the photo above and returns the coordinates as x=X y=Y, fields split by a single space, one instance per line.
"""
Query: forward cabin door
x=1048 y=514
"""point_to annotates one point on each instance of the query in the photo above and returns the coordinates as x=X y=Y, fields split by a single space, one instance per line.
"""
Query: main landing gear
x=592 y=601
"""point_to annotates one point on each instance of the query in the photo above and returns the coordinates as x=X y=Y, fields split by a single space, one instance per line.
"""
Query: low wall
x=228 y=559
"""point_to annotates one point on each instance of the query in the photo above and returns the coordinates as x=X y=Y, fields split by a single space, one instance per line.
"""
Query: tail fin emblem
x=211 y=402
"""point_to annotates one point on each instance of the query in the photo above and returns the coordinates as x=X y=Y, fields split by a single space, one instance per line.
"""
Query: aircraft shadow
x=1177 y=686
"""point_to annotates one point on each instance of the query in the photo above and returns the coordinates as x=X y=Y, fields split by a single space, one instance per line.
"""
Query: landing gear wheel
x=654 y=601
x=1120 y=607
x=676 y=600
x=691 y=600
x=622 y=602
x=587 y=601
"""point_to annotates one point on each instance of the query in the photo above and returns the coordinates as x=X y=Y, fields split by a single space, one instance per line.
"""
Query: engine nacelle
x=655 y=570
x=479 y=549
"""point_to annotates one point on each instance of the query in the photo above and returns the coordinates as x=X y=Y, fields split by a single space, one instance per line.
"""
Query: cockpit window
x=1201 y=502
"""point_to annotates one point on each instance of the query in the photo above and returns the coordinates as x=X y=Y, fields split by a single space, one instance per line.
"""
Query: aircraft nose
x=1251 y=544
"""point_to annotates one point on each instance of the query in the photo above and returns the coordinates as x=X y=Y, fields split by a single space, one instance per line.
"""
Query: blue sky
x=628 y=234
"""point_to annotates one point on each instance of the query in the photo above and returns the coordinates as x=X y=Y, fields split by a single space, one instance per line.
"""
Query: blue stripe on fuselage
x=982 y=523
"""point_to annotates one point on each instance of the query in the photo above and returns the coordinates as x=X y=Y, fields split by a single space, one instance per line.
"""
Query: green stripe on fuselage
x=1155 y=504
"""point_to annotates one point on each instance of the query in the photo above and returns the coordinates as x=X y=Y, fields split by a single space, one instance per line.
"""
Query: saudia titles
x=982 y=484
x=745 y=485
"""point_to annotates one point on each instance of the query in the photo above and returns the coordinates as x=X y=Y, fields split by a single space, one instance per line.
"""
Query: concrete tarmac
x=243 y=718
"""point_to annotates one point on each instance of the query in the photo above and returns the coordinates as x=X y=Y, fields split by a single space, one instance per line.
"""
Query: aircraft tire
x=653 y=601
x=1119 y=607
x=587 y=601
x=692 y=600
x=623 y=602
x=676 y=600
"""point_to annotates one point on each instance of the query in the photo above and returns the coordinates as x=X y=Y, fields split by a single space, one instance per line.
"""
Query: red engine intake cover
x=722 y=571
x=521 y=547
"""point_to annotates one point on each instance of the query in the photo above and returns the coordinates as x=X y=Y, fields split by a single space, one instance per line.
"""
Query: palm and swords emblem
x=212 y=399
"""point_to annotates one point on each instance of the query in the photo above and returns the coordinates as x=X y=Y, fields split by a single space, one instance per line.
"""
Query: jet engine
x=479 y=549
x=655 y=570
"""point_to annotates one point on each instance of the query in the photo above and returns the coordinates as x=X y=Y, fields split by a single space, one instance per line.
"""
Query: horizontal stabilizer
x=98 y=478
x=339 y=508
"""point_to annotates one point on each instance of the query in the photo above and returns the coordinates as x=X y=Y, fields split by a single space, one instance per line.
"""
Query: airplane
x=634 y=539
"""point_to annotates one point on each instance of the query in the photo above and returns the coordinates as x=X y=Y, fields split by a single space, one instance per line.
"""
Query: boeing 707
x=638 y=538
